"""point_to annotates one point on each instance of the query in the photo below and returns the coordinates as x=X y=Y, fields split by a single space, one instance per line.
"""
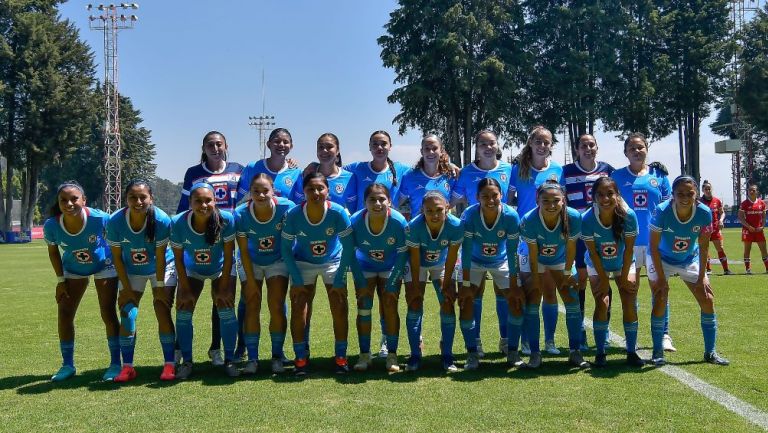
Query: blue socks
x=413 y=326
x=228 y=332
x=549 y=312
x=128 y=342
x=630 y=334
x=127 y=346
x=657 y=334
x=532 y=326
x=502 y=312
x=252 y=345
x=448 y=331
x=184 y=332
x=128 y=318
x=278 y=341
x=340 y=348
x=666 y=319
x=477 y=313
x=514 y=331
x=709 y=329
x=601 y=334
x=114 y=350
x=573 y=324
x=67 y=353
x=300 y=349
x=364 y=317
x=168 y=344
x=468 y=333
x=392 y=342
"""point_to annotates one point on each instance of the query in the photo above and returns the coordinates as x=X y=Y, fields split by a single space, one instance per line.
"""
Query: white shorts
x=201 y=277
x=139 y=282
x=310 y=272
x=592 y=272
x=640 y=252
x=689 y=273
x=525 y=265
x=500 y=275
x=108 y=272
x=383 y=274
x=170 y=278
x=265 y=272
x=434 y=273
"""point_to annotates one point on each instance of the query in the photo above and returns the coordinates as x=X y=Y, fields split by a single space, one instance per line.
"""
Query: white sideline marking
x=719 y=396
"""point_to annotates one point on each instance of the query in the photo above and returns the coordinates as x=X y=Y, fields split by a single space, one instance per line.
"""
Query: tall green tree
x=752 y=95
x=461 y=66
x=46 y=72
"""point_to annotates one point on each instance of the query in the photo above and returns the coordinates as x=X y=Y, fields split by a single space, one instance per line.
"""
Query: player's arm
x=743 y=220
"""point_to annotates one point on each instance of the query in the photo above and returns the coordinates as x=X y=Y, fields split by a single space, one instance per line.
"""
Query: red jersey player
x=752 y=218
x=718 y=216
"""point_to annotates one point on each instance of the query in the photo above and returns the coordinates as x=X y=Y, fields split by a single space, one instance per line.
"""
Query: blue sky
x=196 y=66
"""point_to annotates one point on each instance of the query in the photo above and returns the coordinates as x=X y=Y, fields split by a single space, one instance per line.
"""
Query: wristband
x=465 y=283
x=60 y=279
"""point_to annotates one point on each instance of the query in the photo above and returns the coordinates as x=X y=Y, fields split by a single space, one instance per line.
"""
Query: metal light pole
x=262 y=123
x=110 y=20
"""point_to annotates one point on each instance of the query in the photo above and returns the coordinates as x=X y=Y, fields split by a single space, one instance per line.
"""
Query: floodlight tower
x=263 y=122
x=110 y=19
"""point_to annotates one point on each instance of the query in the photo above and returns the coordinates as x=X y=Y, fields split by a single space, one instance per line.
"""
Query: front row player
x=609 y=229
x=678 y=228
x=752 y=218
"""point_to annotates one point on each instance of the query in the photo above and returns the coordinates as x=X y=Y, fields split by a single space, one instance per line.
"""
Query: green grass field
x=494 y=398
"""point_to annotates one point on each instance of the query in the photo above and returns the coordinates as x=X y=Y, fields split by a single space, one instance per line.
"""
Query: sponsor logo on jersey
x=318 y=248
x=83 y=256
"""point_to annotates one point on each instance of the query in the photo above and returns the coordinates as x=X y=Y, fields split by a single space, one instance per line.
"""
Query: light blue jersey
x=263 y=237
x=526 y=189
x=317 y=244
x=489 y=245
x=642 y=194
x=434 y=250
x=365 y=175
x=340 y=189
x=610 y=249
x=138 y=254
x=551 y=243
x=471 y=175
x=85 y=252
x=416 y=184
x=199 y=256
x=382 y=252
x=285 y=180
x=680 y=240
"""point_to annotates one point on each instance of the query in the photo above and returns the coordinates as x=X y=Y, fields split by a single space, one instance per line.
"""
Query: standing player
x=643 y=187
x=679 y=227
x=378 y=237
x=259 y=222
x=203 y=242
x=77 y=249
x=718 y=216
x=433 y=172
x=284 y=174
x=137 y=235
x=487 y=164
x=577 y=180
x=491 y=232
x=551 y=230
x=609 y=228
x=752 y=218
x=223 y=176
x=329 y=164
x=312 y=246
x=533 y=168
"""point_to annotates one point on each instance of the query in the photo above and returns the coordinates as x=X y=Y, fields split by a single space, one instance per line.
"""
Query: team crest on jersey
x=609 y=250
x=588 y=191
x=339 y=188
x=444 y=243
x=92 y=239
x=390 y=240
x=640 y=199
x=490 y=250
x=503 y=177
x=377 y=255
x=139 y=256
x=446 y=186
x=548 y=250
x=681 y=244
x=83 y=256
x=432 y=256
x=696 y=229
x=267 y=243
x=221 y=192
x=318 y=248
x=203 y=257
x=329 y=231
x=654 y=183
x=288 y=181
x=501 y=233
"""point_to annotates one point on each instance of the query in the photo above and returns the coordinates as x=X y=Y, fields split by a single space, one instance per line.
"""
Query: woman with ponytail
x=340 y=187
x=137 y=235
x=433 y=172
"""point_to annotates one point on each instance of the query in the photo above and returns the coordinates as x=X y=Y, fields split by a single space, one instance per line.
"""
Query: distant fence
x=17 y=236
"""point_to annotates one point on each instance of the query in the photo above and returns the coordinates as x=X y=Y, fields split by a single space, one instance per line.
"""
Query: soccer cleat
x=576 y=360
x=749 y=272
x=184 y=370
x=480 y=352
x=658 y=359
x=342 y=366
x=450 y=367
x=392 y=365
x=535 y=360
x=473 y=361
x=231 y=369
x=278 y=365
x=525 y=348
x=216 y=357
x=503 y=346
x=251 y=367
x=601 y=360
x=127 y=374
x=667 y=344
x=239 y=355
x=112 y=371
x=714 y=358
x=634 y=360
x=383 y=351
x=727 y=272
x=169 y=372
x=300 y=367
x=549 y=347
x=364 y=361
x=414 y=362
x=64 y=373
x=513 y=359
